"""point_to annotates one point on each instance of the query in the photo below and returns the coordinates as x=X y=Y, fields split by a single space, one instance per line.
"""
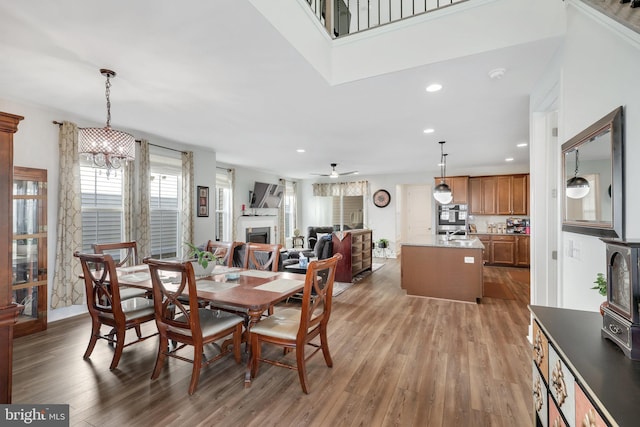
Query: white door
x=416 y=214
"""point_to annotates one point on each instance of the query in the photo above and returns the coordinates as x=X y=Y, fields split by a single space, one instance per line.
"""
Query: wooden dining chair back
x=262 y=256
x=295 y=328
x=127 y=255
x=187 y=323
x=106 y=307
x=223 y=251
x=116 y=250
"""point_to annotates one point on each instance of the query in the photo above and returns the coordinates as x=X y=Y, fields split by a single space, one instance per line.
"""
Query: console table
x=579 y=376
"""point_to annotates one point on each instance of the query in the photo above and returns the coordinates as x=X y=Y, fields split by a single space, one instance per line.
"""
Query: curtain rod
x=55 y=122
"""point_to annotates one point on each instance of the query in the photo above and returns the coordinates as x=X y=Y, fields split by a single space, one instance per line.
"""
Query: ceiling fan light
x=442 y=193
x=577 y=187
x=334 y=174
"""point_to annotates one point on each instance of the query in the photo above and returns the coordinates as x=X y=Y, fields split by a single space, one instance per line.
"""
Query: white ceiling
x=217 y=74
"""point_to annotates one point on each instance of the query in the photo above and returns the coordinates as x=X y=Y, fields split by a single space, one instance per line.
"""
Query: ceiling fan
x=334 y=173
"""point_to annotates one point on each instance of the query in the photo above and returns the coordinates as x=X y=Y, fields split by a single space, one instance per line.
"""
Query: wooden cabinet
x=356 y=249
x=29 y=257
x=459 y=188
x=503 y=250
x=571 y=389
x=512 y=194
x=486 y=254
x=522 y=251
x=510 y=250
x=499 y=195
x=482 y=198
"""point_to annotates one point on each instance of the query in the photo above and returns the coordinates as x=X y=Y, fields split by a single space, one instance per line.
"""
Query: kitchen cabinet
x=482 y=198
x=459 y=186
x=486 y=254
x=499 y=195
x=512 y=194
x=503 y=250
x=522 y=251
x=510 y=250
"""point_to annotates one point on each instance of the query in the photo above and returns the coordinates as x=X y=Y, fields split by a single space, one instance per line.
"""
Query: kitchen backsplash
x=482 y=221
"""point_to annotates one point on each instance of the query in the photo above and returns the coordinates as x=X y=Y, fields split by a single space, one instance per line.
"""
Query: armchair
x=312 y=234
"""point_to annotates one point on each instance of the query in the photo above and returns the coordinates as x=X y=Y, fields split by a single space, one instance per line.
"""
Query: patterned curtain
x=143 y=214
x=67 y=287
x=187 y=197
x=128 y=194
x=357 y=188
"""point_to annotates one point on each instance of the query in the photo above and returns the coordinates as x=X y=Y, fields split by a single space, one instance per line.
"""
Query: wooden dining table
x=253 y=290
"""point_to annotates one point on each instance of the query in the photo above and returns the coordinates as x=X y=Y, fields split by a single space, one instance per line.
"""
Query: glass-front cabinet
x=29 y=251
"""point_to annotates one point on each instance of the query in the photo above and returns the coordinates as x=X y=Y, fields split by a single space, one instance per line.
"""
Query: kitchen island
x=440 y=268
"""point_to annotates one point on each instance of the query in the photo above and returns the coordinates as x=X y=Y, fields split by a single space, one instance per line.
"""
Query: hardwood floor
x=398 y=361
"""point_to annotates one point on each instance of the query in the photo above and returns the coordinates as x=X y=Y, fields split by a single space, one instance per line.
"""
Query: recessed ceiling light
x=434 y=87
x=429 y=130
x=522 y=144
x=497 y=73
x=509 y=159
x=300 y=150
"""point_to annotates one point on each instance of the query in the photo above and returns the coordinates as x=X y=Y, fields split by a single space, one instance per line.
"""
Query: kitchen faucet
x=453 y=233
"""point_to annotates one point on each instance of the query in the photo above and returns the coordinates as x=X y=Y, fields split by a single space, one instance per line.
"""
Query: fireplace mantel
x=255 y=221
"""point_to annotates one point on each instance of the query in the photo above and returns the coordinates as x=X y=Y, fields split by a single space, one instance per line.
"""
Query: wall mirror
x=593 y=179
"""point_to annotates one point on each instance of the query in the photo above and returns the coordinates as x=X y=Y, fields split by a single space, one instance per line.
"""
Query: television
x=266 y=195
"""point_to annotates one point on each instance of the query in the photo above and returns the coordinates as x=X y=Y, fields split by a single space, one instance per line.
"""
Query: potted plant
x=601 y=286
x=383 y=243
x=203 y=260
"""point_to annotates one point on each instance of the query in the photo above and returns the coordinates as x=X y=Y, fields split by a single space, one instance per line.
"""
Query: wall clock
x=381 y=198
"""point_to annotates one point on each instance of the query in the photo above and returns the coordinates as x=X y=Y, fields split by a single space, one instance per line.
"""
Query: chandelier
x=105 y=147
x=442 y=192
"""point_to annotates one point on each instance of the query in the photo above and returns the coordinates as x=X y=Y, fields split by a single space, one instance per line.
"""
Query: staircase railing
x=344 y=17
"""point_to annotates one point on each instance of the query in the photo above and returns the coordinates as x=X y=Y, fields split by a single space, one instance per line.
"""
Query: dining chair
x=295 y=328
x=106 y=307
x=183 y=323
x=223 y=250
x=130 y=258
x=262 y=256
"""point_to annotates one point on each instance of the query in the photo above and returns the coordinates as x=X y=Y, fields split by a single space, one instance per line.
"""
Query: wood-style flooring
x=398 y=361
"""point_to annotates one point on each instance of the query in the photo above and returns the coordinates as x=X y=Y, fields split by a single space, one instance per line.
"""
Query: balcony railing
x=351 y=16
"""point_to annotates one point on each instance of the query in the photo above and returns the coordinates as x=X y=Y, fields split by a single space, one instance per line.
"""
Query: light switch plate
x=469 y=260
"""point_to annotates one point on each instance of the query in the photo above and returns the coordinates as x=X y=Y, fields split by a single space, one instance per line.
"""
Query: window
x=347 y=212
x=224 y=198
x=102 y=213
x=290 y=222
x=164 y=208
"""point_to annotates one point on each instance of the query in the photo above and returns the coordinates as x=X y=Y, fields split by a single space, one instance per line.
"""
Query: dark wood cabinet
x=503 y=250
x=357 y=253
x=499 y=195
x=510 y=250
x=486 y=254
x=459 y=188
x=512 y=194
x=483 y=195
x=522 y=251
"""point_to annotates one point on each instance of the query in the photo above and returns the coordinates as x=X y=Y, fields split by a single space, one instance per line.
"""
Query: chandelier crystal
x=106 y=147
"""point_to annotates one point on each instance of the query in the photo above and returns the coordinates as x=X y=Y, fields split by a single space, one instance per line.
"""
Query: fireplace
x=258 y=235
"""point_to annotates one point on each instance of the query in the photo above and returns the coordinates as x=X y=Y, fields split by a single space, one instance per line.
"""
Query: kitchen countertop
x=455 y=242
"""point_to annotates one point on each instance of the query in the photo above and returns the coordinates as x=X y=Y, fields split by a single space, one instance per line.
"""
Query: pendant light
x=577 y=187
x=442 y=192
x=106 y=147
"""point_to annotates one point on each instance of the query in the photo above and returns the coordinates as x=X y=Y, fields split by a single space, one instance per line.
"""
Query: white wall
x=599 y=72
